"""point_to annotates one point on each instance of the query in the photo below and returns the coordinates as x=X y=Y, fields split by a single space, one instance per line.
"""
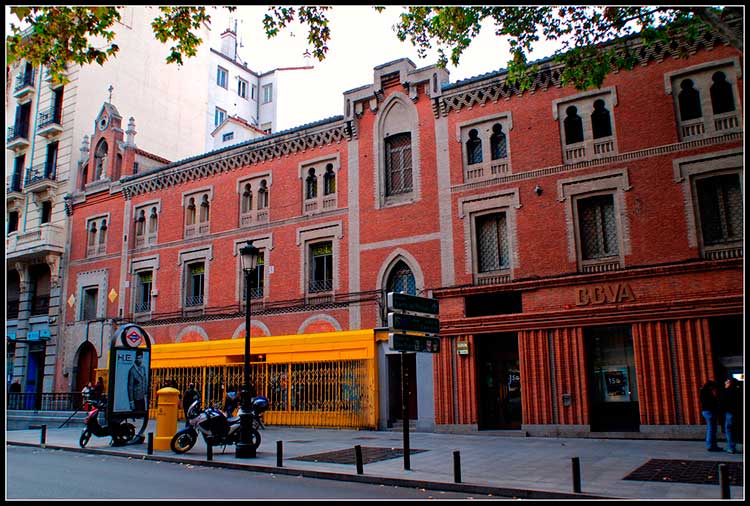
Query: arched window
x=92 y=234
x=103 y=233
x=573 y=126
x=247 y=199
x=329 y=181
x=722 y=99
x=689 y=100
x=205 y=208
x=474 y=147
x=398 y=169
x=498 y=143
x=600 y=122
x=100 y=160
x=140 y=223
x=401 y=279
x=311 y=185
x=153 y=222
x=263 y=195
x=190 y=212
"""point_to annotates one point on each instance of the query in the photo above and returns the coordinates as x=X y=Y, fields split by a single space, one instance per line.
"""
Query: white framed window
x=242 y=88
x=227 y=136
x=219 y=116
x=267 y=93
x=222 y=77
x=253 y=91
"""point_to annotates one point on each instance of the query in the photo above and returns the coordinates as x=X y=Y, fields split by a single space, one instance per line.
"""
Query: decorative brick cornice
x=480 y=91
x=243 y=156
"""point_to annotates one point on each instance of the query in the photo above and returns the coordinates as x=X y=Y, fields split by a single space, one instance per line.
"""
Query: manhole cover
x=687 y=471
x=369 y=455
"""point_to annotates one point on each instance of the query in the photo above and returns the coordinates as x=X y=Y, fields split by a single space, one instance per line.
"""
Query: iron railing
x=17 y=132
x=193 y=300
x=49 y=117
x=25 y=79
x=55 y=401
x=321 y=285
x=40 y=172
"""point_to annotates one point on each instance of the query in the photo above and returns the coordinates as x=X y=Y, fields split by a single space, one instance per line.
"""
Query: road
x=36 y=473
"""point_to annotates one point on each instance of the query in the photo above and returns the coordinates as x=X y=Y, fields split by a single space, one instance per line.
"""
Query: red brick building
x=586 y=247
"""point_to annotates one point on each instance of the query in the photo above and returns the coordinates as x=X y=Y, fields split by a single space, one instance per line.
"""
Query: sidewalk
x=532 y=467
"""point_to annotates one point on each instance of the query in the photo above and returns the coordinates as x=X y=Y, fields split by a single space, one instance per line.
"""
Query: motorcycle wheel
x=84 y=439
x=183 y=441
x=125 y=433
x=255 y=438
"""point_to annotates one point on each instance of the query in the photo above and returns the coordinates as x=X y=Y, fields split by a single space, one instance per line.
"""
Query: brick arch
x=391 y=261
x=191 y=334
x=257 y=329
x=319 y=323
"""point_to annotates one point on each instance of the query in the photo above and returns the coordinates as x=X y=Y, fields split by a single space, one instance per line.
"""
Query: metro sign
x=133 y=338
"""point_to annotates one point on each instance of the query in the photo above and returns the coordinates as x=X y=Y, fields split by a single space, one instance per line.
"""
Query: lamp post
x=245 y=448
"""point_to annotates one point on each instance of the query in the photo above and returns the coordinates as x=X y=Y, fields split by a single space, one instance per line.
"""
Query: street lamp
x=245 y=449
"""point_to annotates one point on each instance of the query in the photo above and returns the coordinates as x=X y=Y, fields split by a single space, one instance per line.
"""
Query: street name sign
x=403 y=302
x=406 y=342
x=412 y=323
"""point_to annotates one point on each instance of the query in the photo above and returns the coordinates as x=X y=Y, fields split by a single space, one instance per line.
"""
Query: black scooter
x=121 y=431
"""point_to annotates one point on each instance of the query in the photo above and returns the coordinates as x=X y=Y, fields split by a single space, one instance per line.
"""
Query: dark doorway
x=86 y=366
x=612 y=381
x=498 y=381
x=395 y=409
x=34 y=377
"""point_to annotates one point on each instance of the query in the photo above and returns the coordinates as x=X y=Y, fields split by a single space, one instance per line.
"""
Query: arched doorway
x=87 y=361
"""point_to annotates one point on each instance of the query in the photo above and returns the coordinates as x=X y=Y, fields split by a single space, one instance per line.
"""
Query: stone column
x=24 y=310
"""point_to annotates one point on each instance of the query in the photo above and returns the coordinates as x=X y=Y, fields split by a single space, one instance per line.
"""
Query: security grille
x=492 y=242
x=598 y=227
x=398 y=170
x=402 y=280
x=720 y=204
x=321 y=275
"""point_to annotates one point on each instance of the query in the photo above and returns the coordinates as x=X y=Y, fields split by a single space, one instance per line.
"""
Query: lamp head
x=249 y=256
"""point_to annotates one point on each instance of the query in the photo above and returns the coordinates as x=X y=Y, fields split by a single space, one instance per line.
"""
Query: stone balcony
x=40 y=240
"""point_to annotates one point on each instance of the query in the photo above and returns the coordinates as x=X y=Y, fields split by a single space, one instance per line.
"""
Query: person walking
x=709 y=399
x=86 y=394
x=730 y=401
x=191 y=395
x=98 y=389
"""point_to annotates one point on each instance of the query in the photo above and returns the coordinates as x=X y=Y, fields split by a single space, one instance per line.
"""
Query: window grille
x=720 y=207
x=143 y=299
x=195 y=285
x=256 y=280
x=492 y=242
x=498 y=142
x=402 y=280
x=398 y=169
x=321 y=275
x=598 y=227
x=329 y=181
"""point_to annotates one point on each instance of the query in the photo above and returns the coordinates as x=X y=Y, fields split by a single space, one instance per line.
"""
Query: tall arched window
x=103 y=233
x=92 y=234
x=401 y=279
x=205 y=208
x=722 y=99
x=263 y=195
x=474 y=147
x=329 y=181
x=398 y=169
x=140 y=223
x=689 y=100
x=190 y=212
x=600 y=122
x=100 y=160
x=247 y=199
x=311 y=184
x=152 y=221
x=498 y=142
x=573 y=126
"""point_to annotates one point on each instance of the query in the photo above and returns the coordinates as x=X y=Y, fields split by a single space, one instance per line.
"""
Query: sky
x=361 y=39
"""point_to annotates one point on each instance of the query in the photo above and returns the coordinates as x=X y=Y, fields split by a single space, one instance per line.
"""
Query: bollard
x=576 y=475
x=43 y=440
x=358 y=458
x=457 y=466
x=209 y=450
x=724 y=481
x=150 y=448
x=279 y=454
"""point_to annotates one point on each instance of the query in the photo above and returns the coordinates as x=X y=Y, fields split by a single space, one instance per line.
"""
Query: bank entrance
x=498 y=381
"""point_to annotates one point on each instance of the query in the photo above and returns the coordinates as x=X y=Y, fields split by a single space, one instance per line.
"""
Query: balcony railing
x=25 y=80
x=17 y=132
x=41 y=172
x=142 y=307
x=57 y=401
x=193 y=300
x=40 y=305
x=49 y=117
x=322 y=285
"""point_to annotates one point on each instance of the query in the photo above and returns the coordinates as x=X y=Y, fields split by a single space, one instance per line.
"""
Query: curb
x=502 y=492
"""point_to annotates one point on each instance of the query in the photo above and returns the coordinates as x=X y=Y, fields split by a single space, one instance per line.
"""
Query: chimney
x=229 y=44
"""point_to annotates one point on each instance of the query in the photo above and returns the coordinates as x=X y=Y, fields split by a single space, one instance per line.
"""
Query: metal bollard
x=209 y=451
x=457 y=466
x=150 y=447
x=358 y=458
x=43 y=440
x=576 y=475
x=724 y=481
x=279 y=454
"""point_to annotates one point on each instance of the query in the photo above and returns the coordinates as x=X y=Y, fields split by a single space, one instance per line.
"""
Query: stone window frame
x=410 y=125
x=570 y=190
x=137 y=266
x=321 y=202
x=590 y=148
x=148 y=239
x=98 y=249
x=85 y=280
x=187 y=257
x=686 y=170
x=469 y=208
x=708 y=124
x=263 y=243
x=487 y=168
x=199 y=228
x=255 y=216
x=333 y=231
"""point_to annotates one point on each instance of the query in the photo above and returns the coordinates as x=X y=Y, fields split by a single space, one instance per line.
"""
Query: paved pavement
x=522 y=467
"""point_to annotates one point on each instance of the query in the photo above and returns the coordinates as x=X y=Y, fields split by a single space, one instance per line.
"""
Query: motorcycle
x=121 y=431
x=215 y=427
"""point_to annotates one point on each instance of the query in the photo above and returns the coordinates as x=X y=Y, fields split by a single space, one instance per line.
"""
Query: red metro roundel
x=133 y=338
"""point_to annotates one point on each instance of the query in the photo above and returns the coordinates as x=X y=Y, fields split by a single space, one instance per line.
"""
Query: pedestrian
x=191 y=395
x=15 y=387
x=730 y=401
x=709 y=399
x=98 y=389
x=86 y=394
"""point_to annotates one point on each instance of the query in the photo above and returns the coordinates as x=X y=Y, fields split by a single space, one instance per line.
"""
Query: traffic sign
x=406 y=342
x=403 y=302
x=412 y=323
